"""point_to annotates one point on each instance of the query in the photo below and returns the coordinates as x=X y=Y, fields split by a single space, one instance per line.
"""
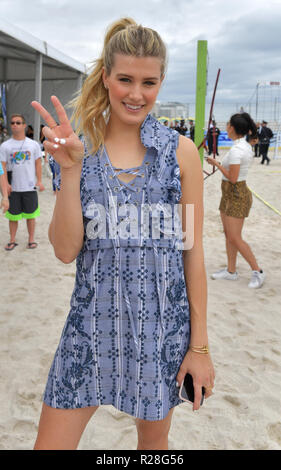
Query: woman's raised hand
x=212 y=161
x=63 y=144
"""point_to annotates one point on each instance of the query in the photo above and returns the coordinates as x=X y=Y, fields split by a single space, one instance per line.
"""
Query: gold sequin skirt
x=236 y=200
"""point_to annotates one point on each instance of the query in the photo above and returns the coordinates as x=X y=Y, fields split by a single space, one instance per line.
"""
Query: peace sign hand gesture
x=63 y=144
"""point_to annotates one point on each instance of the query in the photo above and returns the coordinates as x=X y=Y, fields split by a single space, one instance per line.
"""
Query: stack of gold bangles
x=200 y=349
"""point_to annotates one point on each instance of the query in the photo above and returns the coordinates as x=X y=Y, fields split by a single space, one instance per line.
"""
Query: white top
x=241 y=153
x=20 y=156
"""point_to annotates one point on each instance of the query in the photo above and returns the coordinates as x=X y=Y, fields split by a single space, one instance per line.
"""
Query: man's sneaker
x=257 y=279
x=224 y=274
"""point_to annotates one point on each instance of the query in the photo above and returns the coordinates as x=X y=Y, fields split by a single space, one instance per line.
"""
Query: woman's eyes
x=127 y=80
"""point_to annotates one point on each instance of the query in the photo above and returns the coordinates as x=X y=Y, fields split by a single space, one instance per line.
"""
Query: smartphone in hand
x=186 y=392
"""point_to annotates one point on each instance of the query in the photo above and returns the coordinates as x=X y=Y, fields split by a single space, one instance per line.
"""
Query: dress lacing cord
x=130 y=171
x=116 y=245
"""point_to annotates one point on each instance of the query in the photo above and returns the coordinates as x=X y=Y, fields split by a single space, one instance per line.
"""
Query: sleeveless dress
x=128 y=327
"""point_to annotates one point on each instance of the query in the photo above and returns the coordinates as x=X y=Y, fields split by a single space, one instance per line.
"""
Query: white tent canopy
x=31 y=69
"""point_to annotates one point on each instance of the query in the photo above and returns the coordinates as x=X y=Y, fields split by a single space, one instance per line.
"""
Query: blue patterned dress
x=128 y=328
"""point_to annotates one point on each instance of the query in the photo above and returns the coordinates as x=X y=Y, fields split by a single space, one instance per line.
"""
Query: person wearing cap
x=182 y=129
x=213 y=138
x=191 y=129
x=265 y=135
x=257 y=144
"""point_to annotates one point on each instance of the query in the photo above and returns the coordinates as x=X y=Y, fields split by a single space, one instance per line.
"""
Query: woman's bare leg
x=154 y=434
x=234 y=227
x=62 y=429
x=231 y=250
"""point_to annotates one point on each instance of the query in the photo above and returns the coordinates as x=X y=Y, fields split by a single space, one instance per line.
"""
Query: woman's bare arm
x=66 y=229
x=198 y=365
x=231 y=174
x=194 y=267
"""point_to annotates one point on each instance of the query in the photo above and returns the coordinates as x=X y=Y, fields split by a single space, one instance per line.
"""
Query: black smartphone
x=186 y=392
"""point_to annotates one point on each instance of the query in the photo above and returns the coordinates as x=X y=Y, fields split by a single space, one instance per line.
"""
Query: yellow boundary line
x=266 y=203
x=225 y=147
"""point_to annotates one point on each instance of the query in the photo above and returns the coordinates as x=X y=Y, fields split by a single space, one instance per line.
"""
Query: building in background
x=171 y=109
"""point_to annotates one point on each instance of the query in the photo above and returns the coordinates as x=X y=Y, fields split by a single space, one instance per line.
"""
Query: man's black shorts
x=23 y=205
x=9 y=176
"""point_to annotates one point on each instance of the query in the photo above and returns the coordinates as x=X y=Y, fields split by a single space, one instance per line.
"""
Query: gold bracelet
x=200 y=349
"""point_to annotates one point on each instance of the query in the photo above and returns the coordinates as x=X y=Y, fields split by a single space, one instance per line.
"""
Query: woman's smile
x=133 y=108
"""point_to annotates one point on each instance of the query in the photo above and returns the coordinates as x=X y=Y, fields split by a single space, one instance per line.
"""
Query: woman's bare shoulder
x=188 y=156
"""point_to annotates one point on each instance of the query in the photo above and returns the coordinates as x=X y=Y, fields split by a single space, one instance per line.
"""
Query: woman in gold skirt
x=236 y=198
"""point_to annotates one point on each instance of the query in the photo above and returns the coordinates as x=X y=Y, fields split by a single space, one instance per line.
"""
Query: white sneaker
x=257 y=280
x=224 y=274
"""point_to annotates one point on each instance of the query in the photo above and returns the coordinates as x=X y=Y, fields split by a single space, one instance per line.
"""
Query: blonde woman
x=138 y=308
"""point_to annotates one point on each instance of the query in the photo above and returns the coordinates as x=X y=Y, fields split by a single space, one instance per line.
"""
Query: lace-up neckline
x=138 y=171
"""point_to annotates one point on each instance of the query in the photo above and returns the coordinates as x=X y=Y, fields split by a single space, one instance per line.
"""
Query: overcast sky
x=243 y=37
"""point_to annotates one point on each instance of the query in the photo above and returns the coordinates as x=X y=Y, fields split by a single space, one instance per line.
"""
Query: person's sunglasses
x=16 y=122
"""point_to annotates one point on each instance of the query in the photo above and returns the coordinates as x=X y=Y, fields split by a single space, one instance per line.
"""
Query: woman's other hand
x=201 y=368
x=63 y=144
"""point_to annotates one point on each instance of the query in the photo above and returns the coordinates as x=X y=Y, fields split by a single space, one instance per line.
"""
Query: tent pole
x=201 y=86
x=79 y=81
x=38 y=93
x=5 y=82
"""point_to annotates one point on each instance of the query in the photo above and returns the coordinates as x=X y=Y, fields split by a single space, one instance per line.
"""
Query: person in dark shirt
x=191 y=129
x=257 y=145
x=29 y=132
x=3 y=133
x=264 y=136
x=182 y=129
x=213 y=138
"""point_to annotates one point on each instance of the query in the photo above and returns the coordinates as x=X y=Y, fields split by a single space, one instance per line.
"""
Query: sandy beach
x=244 y=334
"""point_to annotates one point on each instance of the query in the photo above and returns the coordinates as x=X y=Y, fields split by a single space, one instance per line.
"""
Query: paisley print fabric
x=128 y=327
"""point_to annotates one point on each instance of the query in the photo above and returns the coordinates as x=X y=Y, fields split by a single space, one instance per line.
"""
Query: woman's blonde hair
x=92 y=106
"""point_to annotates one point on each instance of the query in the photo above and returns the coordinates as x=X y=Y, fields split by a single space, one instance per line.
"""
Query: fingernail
x=62 y=141
x=56 y=139
x=177 y=384
x=56 y=146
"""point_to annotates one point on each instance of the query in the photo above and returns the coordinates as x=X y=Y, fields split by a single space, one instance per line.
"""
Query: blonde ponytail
x=117 y=26
x=92 y=106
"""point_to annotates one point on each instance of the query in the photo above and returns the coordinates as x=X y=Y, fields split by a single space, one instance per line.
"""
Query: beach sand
x=244 y=334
